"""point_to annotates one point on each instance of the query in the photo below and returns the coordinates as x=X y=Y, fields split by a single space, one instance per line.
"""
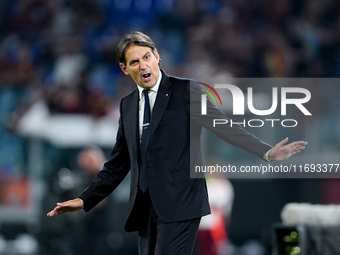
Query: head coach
x=155 y=142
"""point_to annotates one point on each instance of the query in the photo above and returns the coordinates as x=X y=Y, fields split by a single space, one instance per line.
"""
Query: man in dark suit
x=159 y=140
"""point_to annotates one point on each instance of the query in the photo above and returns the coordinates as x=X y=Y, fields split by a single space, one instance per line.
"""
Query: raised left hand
x=282 y=152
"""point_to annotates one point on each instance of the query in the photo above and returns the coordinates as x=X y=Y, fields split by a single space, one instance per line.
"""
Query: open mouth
x=147 y=75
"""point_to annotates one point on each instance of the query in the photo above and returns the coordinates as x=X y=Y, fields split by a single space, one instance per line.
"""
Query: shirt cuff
x=265 y=156
x=82 y=201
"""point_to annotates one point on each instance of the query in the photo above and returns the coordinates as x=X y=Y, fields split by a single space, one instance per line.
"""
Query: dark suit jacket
x=173 y=146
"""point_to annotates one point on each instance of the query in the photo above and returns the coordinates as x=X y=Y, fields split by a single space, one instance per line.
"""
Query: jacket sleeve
x=114 y=171
x=234 y=135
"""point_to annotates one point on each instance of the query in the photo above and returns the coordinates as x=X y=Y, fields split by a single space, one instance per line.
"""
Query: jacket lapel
x=162 y=100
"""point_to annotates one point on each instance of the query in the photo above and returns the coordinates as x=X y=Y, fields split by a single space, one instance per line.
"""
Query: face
x=141 y=65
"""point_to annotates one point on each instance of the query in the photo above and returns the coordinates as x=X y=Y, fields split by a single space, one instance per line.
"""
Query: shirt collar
x=154 y=88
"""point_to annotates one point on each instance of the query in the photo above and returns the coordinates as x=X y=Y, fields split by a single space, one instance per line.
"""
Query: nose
x=142 y=65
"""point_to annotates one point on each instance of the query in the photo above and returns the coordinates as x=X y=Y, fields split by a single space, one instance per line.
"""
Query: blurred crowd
x=65 y=50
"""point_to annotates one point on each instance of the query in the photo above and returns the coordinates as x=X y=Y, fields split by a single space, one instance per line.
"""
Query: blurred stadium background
x=60 y=86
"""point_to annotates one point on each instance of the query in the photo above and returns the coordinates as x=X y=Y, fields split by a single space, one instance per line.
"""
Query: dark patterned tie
x=143 y=178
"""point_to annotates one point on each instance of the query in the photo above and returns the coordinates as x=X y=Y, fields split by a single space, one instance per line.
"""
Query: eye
x=133 y=62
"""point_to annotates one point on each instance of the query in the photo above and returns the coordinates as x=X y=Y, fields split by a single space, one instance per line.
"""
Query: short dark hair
x=134 y=38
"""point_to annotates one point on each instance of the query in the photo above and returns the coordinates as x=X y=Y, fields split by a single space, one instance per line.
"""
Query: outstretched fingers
x=68 y=206
x=282 y=152
x=57 y=210
x=296 y=147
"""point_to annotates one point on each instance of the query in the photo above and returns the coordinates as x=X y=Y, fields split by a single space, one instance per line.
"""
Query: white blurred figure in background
x=212 y=238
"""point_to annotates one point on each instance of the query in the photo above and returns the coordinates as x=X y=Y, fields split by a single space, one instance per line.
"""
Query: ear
x=157 y=56
x=123 y=67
